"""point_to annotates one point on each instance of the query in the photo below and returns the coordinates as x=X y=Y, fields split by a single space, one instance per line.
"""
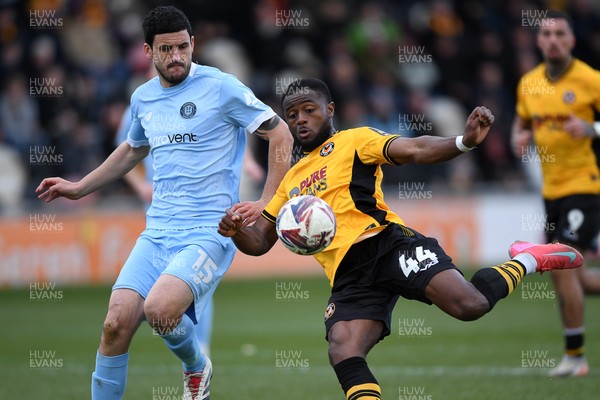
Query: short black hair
x=164 y=19
x=314 y=84
x=556 y=14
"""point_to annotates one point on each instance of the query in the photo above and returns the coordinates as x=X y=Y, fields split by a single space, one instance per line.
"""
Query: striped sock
x=357 y=380
x=366 y=391
x=574 y=341
x=512 y=272
x=497 y=282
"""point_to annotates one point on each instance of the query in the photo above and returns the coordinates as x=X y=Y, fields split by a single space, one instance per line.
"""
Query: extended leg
x=456 y=296
x=470 y=300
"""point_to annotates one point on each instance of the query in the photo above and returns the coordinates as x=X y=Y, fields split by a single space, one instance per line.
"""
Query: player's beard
x=173 y=80
x=324 y=133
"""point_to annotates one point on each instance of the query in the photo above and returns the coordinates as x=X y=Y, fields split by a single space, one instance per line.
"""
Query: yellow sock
x=366 y=391
x=512 y=272
x=574 y=352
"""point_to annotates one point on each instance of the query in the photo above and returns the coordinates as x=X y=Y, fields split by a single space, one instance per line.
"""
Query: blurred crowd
x=68 y=69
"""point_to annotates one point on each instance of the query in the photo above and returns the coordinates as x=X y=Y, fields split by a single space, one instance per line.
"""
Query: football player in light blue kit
x=188 y=118
x=141 y=183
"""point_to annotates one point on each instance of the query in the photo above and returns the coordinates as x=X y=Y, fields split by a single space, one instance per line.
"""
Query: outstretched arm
x=254 y=240
x=121 y=161
x=280 y=147
x=432 y=149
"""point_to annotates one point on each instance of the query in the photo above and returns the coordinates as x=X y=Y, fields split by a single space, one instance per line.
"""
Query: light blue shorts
x=198 y=256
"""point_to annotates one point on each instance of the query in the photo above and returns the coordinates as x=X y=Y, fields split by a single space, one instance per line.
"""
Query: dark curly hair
x=164 y=19
x=307 y=83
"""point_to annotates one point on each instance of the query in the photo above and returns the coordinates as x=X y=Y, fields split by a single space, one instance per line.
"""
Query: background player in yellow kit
x=555 y=107
x=374 y=258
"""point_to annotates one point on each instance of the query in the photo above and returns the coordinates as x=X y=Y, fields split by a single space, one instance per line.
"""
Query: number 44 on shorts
x=424 y=259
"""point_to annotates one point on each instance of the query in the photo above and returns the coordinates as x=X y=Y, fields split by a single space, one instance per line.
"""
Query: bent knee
x=160 y=316
x=470 y=309
x=340 y=345
x=339 y=352
x=352 y=339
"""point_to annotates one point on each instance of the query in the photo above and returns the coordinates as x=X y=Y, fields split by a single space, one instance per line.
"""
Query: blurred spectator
x=352 y=112
x=374 y=37
x=444 y=21
x=382 y=97
x=13 y=179
x=19 y=115
x=87 y=64
x=213 y=46
x=20 y=131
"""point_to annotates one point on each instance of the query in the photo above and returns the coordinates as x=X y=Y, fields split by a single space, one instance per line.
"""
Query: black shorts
x=398 y=261
x=574 y=220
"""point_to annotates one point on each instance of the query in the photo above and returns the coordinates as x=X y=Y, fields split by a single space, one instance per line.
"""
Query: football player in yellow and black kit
x=555 y=107
x=374 y=258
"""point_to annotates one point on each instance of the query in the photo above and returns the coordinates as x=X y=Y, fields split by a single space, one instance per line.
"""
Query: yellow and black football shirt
x=345 y=172
x=568 y=165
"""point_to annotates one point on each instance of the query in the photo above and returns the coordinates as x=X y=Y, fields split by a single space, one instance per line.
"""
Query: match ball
x=306 y=225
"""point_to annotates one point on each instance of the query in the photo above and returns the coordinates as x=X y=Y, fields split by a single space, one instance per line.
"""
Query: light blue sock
x=184 y=343
x=203 y=328
x=110 y=377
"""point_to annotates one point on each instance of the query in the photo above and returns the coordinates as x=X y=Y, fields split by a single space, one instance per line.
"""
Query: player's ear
x=330 y=109
x=192 y=42
x=148 y=50
x=572 y=40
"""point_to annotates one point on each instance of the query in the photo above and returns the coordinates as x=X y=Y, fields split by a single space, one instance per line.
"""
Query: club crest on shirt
x=294 y=192
x=187 y=110
x=329 y=311
x=327 y=149
x=569 y=97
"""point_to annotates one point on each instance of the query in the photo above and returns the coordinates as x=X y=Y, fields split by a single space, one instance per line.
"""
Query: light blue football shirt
x=197 y=146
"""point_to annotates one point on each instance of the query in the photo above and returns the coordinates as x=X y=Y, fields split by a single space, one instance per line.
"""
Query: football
x=306 y=225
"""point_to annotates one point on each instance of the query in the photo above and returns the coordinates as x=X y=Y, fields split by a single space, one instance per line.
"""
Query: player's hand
x=230 y=224
x=249 y=210
x=578 y=128
x=478 y=126
x=52 y=188
x=519 y=140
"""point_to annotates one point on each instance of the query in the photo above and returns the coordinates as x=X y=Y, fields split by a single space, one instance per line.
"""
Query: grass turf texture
x=265 y=347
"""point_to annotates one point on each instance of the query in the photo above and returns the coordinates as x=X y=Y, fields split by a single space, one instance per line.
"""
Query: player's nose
x=302 y=118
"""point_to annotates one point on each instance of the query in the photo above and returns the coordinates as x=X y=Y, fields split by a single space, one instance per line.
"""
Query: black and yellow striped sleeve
x=268 y=216
x=386 y=148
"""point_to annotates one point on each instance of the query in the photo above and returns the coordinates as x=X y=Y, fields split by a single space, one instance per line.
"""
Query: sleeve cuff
x=268 y=216
x=386 y=148
x=264 y=116
x=138 y=143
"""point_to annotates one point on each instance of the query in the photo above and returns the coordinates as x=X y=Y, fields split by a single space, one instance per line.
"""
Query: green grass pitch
x=268 y=344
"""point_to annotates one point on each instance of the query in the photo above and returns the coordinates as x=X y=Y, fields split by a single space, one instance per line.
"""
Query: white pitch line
x=433 y=371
